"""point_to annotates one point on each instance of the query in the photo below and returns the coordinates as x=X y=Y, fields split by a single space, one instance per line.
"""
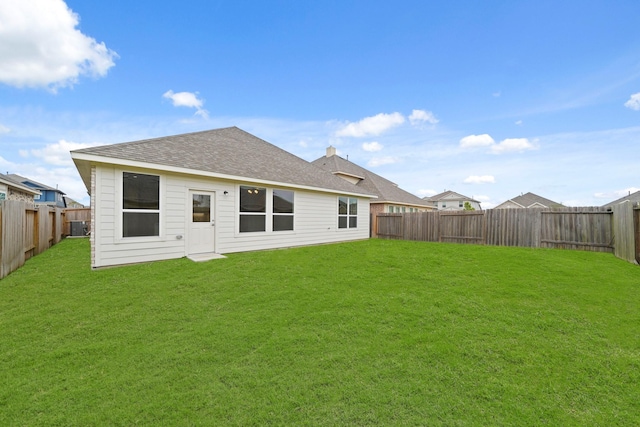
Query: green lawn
x=366 y=333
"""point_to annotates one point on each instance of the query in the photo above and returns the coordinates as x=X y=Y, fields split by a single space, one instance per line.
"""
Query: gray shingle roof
x=370 y=182
x=226 y=151
x=448 y=195
x=529 y=199
x=633 y=198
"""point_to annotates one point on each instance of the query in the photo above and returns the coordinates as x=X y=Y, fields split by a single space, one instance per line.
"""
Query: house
x=48 y=195
x=633 y=198
x=208 y=193
x=391 y=198
x=12 y=190
x=528 y=200
x=451 y=201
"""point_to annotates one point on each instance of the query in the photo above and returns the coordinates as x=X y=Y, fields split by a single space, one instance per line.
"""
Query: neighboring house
x=48 y=195
x=528 y=200
x=634 y=198
x=211 y=192
x=391 y=198
x=12 y=190
x=451 y=201
x=72 y=203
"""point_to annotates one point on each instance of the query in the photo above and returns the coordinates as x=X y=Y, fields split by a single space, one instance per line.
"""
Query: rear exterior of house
x=147 y=207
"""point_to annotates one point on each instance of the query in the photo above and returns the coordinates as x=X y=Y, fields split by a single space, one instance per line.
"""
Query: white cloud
x=616 y=194
x=40 y=46
x=4 y=129
x=497 y=94
x=422 y=116
x=372 y=146
x=57 y=154
x=372 y=126
x=480 y=179
x=379 y=161
x=473 y=141
x=187 y=99
x=633 y=102
x=426 y=192
x=505 y=146
x=511 y=145
x=519 y=122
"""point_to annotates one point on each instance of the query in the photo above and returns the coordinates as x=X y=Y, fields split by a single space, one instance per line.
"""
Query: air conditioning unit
x=78 y=228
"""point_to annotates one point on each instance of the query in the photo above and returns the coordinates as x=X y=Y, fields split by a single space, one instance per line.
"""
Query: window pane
x=353 y=206
x=282 y=201
x=253 y=199
x=353 y=221
x=249 y=223
x=282 y=222
x=342 y=205
x=136 y=224
x=140 y=191
x=342 y=222
x=201 y=208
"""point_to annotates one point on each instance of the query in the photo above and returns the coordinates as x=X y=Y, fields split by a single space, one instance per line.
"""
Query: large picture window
x=253 y=209
x=347 y=212
x=140 y=205
x=282 y=210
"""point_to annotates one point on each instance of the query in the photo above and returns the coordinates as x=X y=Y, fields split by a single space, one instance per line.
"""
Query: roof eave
x=83 y=163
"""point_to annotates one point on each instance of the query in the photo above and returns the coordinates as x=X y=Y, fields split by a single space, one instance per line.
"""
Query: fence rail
x=27 y=230
x=615 y=230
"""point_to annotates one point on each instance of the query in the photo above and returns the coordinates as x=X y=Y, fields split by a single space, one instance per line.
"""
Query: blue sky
x=487 y=98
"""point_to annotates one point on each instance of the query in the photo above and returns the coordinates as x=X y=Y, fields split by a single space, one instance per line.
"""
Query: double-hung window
x=282 y=210
x=140 y=205
x=347 y=212
x=253 y=209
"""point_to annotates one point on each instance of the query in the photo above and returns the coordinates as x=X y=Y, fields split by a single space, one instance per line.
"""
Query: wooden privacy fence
x=25 y=231
x=615 y=230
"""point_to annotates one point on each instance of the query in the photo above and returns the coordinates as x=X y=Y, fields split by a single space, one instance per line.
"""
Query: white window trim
x=119 y=210
x=348 y=215
x=268 y=229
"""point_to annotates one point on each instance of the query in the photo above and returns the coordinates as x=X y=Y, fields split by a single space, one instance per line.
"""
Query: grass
x=366 y=333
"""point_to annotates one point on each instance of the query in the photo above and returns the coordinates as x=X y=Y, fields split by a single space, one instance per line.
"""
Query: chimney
x=331 y=151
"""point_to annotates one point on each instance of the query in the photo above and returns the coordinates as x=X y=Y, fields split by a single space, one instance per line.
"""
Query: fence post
x=636 y=229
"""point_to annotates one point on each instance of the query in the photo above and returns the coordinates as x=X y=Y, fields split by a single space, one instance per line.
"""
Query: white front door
x=201 y=222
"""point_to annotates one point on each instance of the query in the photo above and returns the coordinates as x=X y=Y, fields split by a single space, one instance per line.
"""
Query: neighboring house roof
x=227 y=153
x=10 y=182
x=632 y=197
x=530 y=200
x=367 y=181
x=32 y=184
x=449 y=195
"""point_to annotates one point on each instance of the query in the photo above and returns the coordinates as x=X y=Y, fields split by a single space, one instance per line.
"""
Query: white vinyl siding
x=314 y=220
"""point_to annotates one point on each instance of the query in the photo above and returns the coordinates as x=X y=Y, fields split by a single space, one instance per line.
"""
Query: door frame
x=189 y=219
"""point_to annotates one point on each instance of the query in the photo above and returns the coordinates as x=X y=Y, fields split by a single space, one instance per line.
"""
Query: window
x=140 y=205
x=3 y=195
x=253 y=209
x=282 y=210
x=390 y=209
x=460 y=204
x=404 y=209
x=201 y=208
x=347 y=212
x=444 y=204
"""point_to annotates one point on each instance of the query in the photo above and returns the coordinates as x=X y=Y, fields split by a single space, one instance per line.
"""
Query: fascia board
x=186 y=171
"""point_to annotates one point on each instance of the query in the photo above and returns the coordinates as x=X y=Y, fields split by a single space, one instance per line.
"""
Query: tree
x=468 y=207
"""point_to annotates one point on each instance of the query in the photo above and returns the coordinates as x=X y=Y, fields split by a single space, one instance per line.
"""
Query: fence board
x=624 y=241
x=12 y=245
